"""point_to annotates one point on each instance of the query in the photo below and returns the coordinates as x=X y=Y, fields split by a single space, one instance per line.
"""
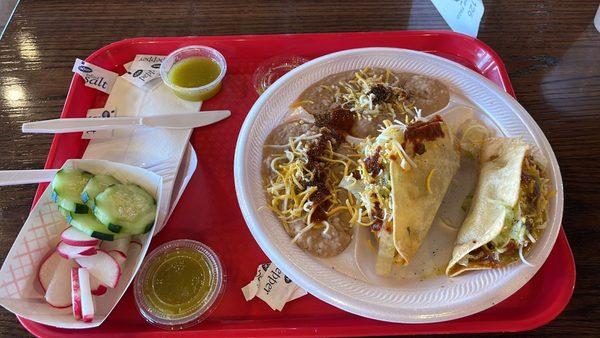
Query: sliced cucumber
x=70 y=206
x=66 y=213
x=67 y=186
x=125 y=208
x=96 y=185
x=89 y=224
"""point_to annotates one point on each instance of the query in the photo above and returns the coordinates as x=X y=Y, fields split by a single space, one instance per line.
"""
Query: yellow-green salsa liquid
x=193 y=72
x=177 y=283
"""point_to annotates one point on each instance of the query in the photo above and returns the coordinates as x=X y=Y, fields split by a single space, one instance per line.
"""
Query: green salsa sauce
x=177 y=283
x=193 y=72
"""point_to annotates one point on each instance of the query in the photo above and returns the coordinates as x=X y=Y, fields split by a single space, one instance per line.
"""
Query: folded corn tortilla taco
x=370 y=198
x=418 y=192
x=399 y=186
x=508 y=210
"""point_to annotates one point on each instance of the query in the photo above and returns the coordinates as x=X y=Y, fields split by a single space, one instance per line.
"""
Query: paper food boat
x=20 y=290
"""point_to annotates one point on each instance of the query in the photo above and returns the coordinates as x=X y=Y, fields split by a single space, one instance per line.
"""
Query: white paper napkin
x=152 y=148
x=462 y=16
x=106 y=112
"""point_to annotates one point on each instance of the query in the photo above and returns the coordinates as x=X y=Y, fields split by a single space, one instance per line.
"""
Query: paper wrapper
x=20 y=290
x=272 y=286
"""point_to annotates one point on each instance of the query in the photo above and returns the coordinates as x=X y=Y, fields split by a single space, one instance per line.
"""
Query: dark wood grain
x=551 y=49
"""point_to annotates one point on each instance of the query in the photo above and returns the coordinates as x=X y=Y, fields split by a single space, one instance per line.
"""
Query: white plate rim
x=371 y=310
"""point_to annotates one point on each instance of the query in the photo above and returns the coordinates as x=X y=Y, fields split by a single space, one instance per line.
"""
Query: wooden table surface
x=551 y=50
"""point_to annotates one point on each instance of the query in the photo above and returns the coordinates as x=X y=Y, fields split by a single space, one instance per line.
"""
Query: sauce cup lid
x=170 y=322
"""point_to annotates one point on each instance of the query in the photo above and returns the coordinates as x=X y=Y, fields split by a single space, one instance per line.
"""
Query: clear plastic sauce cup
x=179 y=284
x=192 y=73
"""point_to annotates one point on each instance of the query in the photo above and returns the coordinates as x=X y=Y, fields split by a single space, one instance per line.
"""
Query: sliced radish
x=76 y=293
x=71 y=251
x=135 y=245
x=119 y=257
x=58 y=293
x=135 y=248
x=101 y=290
x=121 y=245
x=98 y=289
x=48 y=268
x=138 y=238
x=74 y=237
x=86 y=301
x=135 y=240
x=102 y=266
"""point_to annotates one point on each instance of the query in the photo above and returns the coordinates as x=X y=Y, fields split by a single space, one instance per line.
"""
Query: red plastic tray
x=208 y=210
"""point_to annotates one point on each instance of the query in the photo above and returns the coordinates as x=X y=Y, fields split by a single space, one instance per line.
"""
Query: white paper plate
x=416 y=295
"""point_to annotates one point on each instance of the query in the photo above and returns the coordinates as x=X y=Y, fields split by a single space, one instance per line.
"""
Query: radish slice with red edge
x=135 y=245
x=75 y=237
x=120 y=244
x=86 y=299
x=98 y=289
x=119 y=257
x=102 y=266
x=48 y=268
x=59 y=290
x=135 y=248
x=135 y=241
x=76 y=293
x=70 y=252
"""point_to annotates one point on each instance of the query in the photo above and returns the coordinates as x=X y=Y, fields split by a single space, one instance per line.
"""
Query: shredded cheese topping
x=289 y=187
x=357 y=96
x=372 y=193
x=428 y=181
x=369 y=94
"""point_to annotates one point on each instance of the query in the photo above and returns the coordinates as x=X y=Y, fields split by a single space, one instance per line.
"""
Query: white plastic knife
x=172 y=121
